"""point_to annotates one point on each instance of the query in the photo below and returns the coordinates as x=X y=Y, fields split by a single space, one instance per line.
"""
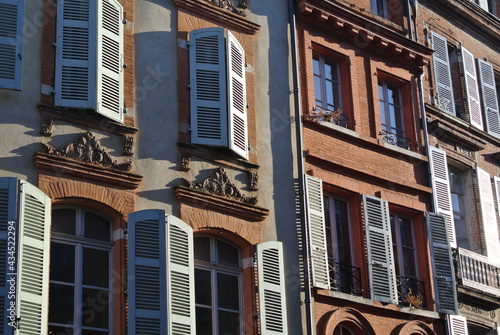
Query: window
x=342 y=330
x=391 y=10
x=458 y=203
x=11 y=43
x=218 y=90
x=326 y=83
x=217 y=287
x=80 y=298
x=391 y=114
x=89 y=44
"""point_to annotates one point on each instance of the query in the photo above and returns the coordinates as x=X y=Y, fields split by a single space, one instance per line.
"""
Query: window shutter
x=471 y=89
x=109 y=59
x=379 y=248
x=147 y=267
x=272 y=299
x=483 y=4
x=496 y=181
x=11 y=43
x=75 y=75
x=207 y=63
x=489 y=95
x=442 y=264
x=180 y=277
x=441 y=190
x=489 y=216
x=442 y=73
x=237 y=105
x=317 y=237
x=457 y=325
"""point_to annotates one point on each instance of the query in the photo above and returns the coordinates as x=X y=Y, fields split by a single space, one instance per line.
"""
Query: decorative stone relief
x=87 y=149
x=128 y=145
x=185 y=161
x=228 y=5
x=47 y=125
x=254 y=181
x=218 y=183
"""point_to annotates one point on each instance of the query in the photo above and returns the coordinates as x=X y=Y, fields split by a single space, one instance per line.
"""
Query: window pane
x=95 y=306
x=343 y=233
x=93 y=332
x=95 y=267
x=97 y=227
x=406 y=232
x=62 y=262
x=227 y=288
x=229 y=323
x=60 y=330
x=227 y=254
x=203 y=287
x=410 y=268
x=64 y=221
x=61 y=303
x=203 y=321
x=317 y=90
x=202 y=248
x=316 y=65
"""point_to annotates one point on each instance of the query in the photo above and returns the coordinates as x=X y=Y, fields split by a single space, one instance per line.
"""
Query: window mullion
x=78 y=288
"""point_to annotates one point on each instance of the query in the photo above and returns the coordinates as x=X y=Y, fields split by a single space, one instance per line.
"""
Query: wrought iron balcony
x=345 y=278
x=320 y=114
x=477 y=272
x=411 y=291
x=395 y=139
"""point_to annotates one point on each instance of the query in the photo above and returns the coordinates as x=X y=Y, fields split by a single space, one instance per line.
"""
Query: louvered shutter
x=208 y=96
x=441 y=190
x=316 y=229
x=483 y=4
x=489 y=97
x=442 y=264
x=382 y=273
x=180 y=277
x=272 y=298
x=442 y=73
x=237 y=105
x=489 y=216
x=496 y=182
x=75 y=74
x=457 y=325
x=8 y=213
x=11 y=43
x=147 y=267
x=34 y=260
x=109 y=59
x=471 y=89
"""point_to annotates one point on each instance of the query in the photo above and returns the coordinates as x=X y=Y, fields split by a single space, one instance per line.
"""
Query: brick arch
x=413 y=328
x=347 y=316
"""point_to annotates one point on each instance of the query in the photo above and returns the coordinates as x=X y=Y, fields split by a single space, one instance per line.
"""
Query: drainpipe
x=424 y=126
x=300 y=168
x=408 y=18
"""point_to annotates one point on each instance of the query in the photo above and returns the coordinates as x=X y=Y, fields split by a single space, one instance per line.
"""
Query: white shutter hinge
x=124 y=65
x=124 y=110
x=20 y=56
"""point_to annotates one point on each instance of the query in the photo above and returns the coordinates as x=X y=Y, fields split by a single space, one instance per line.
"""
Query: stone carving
x=47 y=124
x=87 y=149
x=218 y=183
x=254 y=181
x=228 y=5
x=128 y=145
x=185 y=161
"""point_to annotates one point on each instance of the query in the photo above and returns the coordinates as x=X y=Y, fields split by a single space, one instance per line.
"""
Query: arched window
x=80 y=272
x=342 y=330
x=218 y=282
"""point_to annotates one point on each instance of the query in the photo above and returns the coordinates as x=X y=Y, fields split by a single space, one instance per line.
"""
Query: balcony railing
x=345 y=278
x=395 y=139
x=411 y=291
x=477 y=272
x=320 y=114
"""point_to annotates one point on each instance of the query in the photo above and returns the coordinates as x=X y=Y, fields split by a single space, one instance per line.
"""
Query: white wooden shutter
x=34 y=260
x=272 y=297
x=8 y=213
x=207 y=65
x=471 y=89
x=382 y=273
x=442 y=73
x=180 y=277
x=316 y=229
x=237 y=105
x=457 y=325
x=441 y=190
x=442 y=264
x=147 y=268
x=496 y=182
x=489 y=97
x=110 y=59
x=75 y=77
x=483 y=4
x=489 y=216
x=11 y=43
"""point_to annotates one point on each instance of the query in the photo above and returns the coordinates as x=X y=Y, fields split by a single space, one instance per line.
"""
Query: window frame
x=462 y=197
x=336 y=83
x=396 y=230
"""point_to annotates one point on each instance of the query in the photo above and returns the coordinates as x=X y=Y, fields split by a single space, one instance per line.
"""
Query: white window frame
x=336 y=82
x=215 y=269
x=80 y=242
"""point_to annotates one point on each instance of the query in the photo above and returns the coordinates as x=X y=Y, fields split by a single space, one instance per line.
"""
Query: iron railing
x=345 y=278
x=335 y=116
x=477 y=271
x=411 y=291
x=395 y=139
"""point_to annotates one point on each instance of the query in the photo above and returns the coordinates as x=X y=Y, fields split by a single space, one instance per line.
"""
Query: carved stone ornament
x=185 y=161
x=228 y=5
x=254 y=181
x=218 y=183
x=87 y=149
x=128 y=145
x=47 y=125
